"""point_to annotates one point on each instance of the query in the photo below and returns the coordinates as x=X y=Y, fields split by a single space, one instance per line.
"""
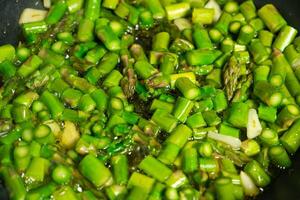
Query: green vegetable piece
x=94 y=170
x=238 y=115
x=155 y=168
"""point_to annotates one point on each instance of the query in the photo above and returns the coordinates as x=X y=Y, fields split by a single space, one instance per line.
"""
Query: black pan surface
x=285 y=187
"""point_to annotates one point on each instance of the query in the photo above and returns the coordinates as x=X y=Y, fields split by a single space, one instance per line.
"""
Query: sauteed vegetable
x=148 y=99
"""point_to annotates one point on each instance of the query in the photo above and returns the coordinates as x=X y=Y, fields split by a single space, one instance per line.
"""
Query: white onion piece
x=182 y=24
x=47 y=3
x=214 y=5
x=254 y=127
x=235 y=143
x=250 y=188
x=32 y=15
x=54 y=126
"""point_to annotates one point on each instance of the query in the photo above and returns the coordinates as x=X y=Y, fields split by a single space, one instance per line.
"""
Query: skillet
x=285 y=187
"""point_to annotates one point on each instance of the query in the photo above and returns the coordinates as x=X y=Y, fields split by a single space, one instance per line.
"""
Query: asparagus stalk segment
x=155 y=168
x=187 y=88
x=94 y=170
x=13 y=182
x=175 y=11
x=285 y=37
x=7 y=52
x=279 y=156
x=256 y=172
x=291 y=139
x=272 y=18
x=268 y=93
x=248 y=9
x=202 y=57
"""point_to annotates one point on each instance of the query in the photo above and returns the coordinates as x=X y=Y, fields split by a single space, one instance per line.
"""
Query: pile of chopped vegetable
x=148 y=100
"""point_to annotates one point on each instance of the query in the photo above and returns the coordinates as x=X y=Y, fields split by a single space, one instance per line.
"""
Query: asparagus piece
x=187 y=88
x=231 y=76
x=285 y=37
x=90 y=167
x=271 y=17
x=269 y=137
x=256 y=172
x=175 y=11
x=279 y=156
x=7 y=52
x=182 y=109
x=202 y=57
x=56 y=12
x=246 y=35
x=13 y=182
x=267 y=93
x=248 y=9
x=155 y=168
x=290 y=139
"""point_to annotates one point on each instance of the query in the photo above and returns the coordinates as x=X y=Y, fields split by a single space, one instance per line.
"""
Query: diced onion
x=47 y=3
x=32 y=15
x=54 y=126
x=70 y=135
x=254 y=127
x=235 y=143
x=182 y=24
x=250 y=188
x=214 y=5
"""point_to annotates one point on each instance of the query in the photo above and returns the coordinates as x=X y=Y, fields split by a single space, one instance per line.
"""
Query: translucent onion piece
x=32 y=15
x=214 y=5
x=235 y=143
x=254 y=127
x=250 y=188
